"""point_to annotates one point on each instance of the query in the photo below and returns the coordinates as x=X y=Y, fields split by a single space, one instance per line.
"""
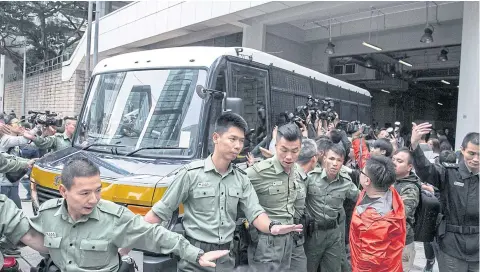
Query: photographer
x=58 y=141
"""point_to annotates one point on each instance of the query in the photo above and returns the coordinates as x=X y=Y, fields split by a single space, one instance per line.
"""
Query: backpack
x=425 y=225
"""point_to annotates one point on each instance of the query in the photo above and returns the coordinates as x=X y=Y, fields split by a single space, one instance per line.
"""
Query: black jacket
x=459 y=198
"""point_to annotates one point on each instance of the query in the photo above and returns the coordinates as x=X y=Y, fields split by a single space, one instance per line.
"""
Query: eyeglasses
x=361 y=172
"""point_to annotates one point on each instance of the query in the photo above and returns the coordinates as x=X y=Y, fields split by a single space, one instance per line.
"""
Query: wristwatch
x=200 y=254
x=273 y=223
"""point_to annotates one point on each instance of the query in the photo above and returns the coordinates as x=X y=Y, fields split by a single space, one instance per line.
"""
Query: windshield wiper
x=99 y=144
x=154 y=147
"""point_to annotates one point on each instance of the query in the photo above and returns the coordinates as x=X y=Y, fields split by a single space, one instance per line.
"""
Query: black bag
x=16 y=176
x=426 y=217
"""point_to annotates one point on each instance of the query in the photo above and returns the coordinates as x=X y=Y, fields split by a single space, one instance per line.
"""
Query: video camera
x=46 y=118
x=353 y=126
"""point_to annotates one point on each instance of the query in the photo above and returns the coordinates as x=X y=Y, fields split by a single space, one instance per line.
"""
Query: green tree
x=49 y=28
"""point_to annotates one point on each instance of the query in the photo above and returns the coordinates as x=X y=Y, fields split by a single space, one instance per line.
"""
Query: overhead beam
x=446 y=12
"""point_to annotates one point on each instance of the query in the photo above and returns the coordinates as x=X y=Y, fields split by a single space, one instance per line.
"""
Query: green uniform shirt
x=210 y=201
x=92 y=242
x=275 y=188
x=10 y=163
x=301 y=178
x=13 y=222
x=55 y=142
x=325 y=199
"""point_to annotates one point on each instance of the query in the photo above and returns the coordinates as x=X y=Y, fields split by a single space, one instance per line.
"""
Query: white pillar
x=254 y=36
x=468 y=98
x=2 y=81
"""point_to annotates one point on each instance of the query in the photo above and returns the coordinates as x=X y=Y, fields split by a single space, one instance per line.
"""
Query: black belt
x=462 y=229
x=325 y=225
x=208 y=246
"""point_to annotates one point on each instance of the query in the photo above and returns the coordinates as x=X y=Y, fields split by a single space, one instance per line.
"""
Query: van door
x=251 y=85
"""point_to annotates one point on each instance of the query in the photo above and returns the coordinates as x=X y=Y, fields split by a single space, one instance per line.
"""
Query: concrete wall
x=298 y=53
x=47 y=91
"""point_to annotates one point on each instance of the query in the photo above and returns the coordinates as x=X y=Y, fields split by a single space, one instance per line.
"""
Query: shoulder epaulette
x=316 y=170
x=262 y=165
x=3 y=198
x=50 y=204
x=110 y=207
x=344 y=174
x=195 y=165
x=238 y=169
x=450 y=165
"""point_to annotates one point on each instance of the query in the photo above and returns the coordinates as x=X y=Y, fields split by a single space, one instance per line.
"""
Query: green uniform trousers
x=271 y=252
x=324 y=250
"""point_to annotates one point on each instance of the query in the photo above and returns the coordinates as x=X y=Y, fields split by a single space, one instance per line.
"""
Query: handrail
x=42 y=67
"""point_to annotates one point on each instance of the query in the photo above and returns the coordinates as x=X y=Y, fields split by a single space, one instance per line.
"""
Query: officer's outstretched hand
x=284 y=229
x=208 y=257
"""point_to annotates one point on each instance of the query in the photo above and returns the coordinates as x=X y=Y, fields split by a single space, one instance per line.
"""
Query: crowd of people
x=316 y=198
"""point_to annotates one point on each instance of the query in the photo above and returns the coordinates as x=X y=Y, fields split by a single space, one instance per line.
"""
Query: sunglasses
x=361 y=172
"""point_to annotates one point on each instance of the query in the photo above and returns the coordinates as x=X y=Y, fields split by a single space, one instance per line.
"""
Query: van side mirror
x=234 y=104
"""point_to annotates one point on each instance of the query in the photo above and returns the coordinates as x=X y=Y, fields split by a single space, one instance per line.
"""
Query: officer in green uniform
x=211 y=190
x=274 y=182
x=326 y=190
x=13 y=164
x=307 y=160
x=83 y=232
x=15 y=226
x=55 y=142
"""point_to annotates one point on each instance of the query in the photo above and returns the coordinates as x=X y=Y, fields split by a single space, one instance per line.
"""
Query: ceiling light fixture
x=369 y=44
x=444 y=81
x=405 y=63
x=440 y=104
x=428 y=31
x=443 y=55
x=330 y=47
x=385 y=91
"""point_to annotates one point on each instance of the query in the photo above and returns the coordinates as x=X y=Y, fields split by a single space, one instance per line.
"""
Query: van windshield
x=128 y=111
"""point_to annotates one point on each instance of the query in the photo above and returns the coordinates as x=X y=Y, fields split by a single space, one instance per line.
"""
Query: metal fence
x=43 y=67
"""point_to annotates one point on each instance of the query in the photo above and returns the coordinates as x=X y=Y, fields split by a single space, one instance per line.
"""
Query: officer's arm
x=425 y=170
x=250 y=205
x=353 y=192
x=12 y=164
x=34 y=239
x=47 y=142
x=131 y=231
x=176 y=193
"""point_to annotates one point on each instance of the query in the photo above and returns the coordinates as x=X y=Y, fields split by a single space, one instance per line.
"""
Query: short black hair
x=447 y=156
x=308 y=151
x=289 y=132
x=337 y=149
x=228 y=120
x=471 y=137
x=78 y=168
x=323 y=144
x=384 y=144
x=335 y=136
x=405 y=150
x=443 y=138
x=436 y=145
x=381 y=172
x=445 y=146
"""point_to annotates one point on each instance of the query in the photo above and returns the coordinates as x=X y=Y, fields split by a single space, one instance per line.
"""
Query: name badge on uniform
x=461 y=184
x=51 y=234
x=204 y=184
x=277 y=183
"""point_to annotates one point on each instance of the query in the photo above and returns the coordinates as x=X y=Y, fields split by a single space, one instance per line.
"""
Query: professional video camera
x=46 y=118
x=292 y=118
x=353 y=126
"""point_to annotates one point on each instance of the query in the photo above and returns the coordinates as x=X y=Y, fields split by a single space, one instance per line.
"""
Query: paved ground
x=31 y=258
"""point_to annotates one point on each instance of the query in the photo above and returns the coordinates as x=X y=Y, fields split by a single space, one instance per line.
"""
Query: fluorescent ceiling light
x=405 y=63
x=440 y=104
x=384 y=91
x=372 y=46
x=444 y=81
